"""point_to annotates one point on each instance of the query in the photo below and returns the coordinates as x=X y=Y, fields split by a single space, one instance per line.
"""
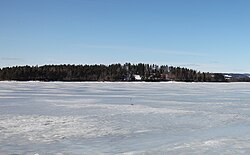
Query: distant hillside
x=233 y=77
x=113 y=72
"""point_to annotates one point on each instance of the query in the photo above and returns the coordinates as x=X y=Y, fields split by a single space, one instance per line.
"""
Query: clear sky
x=207 y=35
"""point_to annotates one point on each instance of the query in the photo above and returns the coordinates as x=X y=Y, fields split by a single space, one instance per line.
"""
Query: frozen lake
x=124 y=118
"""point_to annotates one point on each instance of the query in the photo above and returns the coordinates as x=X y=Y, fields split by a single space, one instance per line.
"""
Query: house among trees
x=137 y=77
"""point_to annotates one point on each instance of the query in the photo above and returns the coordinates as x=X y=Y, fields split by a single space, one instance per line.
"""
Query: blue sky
x=207 y=35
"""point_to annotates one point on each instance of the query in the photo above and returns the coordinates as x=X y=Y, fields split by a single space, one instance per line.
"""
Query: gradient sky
x=207 y=35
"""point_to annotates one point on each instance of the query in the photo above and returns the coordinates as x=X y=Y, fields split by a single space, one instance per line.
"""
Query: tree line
x=113 y=72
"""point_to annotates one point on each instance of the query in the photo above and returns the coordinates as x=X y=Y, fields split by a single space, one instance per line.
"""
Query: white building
x=137 y=77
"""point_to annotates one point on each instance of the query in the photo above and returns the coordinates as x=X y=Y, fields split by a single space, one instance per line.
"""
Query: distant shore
x=114 y=73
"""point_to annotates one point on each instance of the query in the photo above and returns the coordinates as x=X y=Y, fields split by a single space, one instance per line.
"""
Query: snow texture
x=124 y=118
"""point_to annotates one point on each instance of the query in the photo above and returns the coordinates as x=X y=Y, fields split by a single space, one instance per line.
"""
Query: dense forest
x=113 y=72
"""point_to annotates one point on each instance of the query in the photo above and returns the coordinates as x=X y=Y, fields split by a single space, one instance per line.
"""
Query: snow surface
x=124 y=118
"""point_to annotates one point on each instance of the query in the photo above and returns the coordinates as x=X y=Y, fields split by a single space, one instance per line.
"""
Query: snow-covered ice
x=124 y=118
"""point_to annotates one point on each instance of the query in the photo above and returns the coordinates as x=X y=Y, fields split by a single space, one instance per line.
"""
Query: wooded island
x=113 y=72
